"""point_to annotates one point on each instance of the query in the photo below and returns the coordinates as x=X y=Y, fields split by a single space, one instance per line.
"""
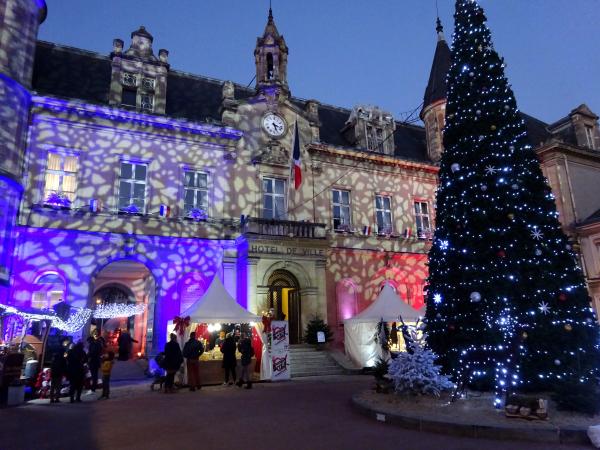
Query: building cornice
x=556 y=148
x=377 y=159
x=89 y=111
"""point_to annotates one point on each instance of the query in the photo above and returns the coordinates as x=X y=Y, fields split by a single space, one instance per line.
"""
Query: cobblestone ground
x=309 y=414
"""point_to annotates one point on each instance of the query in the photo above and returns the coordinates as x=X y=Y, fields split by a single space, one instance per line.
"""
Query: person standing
x=58 y=368
x=245 y=348
x=192 y=350
x=125 y=342
x=107 y=365
x=229 y=361
x=76 y=359
x=173 y=360
x=95 y=350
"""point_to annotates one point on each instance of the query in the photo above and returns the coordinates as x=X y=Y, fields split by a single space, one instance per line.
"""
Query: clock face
x=274 y=125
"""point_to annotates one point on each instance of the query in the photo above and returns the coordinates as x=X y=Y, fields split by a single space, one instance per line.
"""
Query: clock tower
x=270 y=57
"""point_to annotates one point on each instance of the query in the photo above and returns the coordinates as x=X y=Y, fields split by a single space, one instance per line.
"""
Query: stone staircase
x=308 y=362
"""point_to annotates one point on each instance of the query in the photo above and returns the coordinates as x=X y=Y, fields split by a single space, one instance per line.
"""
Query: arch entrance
x=284 y=297
x=125 y=282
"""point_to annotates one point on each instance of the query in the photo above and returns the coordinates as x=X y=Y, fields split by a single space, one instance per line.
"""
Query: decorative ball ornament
x=568 y=327
x=483 y=187
x=475 y=297
x=557 y=362
x=455 y=167
x=568 y=247
x=506 y=107
x=511 y=216
x=512 y=148
x=478 y=112
x=471 y=74
x=524 y=335
x=538 y=252
x=515 y=186
x=438 y=316
x=501 y=253
x=562 y=297
x=493 y=128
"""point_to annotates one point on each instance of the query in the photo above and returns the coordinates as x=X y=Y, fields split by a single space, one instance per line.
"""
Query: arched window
x=346 y=297
x=49 y=289
x=269 y=66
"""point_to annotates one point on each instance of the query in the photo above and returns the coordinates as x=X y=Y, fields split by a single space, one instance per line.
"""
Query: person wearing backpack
x=192 y=350
x=245 y=348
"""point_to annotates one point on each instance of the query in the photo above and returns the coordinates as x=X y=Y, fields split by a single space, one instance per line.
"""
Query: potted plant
x=57 y=200
x=317 y=333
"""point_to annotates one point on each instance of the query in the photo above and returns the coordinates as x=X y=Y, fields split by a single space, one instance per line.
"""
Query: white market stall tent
x=359 y=331
x=217 y=306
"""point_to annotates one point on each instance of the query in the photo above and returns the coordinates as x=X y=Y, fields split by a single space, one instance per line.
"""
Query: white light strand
x=113 y=310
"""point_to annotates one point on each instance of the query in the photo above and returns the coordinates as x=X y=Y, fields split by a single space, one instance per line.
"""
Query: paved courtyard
x=309 y=414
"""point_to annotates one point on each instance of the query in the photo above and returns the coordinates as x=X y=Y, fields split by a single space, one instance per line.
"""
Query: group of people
x=193 y=349
x=73 y=366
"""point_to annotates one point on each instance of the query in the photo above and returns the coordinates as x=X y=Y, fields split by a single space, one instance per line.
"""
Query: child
x=107 y=365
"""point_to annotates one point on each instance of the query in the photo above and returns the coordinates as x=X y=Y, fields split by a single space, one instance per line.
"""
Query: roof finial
x=440 y=30
x=270 y=12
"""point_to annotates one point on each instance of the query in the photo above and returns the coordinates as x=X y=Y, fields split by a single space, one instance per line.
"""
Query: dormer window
x=148 y=84
x=589 y=136
x=371 y=128
x=129 y=80
x=147 y=102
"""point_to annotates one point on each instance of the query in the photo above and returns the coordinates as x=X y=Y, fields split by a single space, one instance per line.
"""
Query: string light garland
x=74 y=323
x=114 y=310
x=504 y=284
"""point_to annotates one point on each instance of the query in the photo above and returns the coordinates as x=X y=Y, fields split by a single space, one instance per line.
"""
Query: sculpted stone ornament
x=228 y=90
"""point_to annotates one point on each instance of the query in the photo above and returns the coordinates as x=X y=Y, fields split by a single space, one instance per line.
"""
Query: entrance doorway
x=123 y=282
x=284 y=298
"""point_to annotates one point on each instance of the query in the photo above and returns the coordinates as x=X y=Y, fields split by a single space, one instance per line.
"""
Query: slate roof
x=436 y=87
x=72 y=73
x=595 y=217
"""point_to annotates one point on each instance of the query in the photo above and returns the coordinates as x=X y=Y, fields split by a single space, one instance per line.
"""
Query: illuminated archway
x=284 y=298
x=124 y=281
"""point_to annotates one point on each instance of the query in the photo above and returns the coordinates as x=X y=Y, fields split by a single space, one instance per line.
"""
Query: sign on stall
x=320 y=337
x=280 y=346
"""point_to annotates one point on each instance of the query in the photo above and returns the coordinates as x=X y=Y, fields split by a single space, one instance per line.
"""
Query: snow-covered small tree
x=416 y=373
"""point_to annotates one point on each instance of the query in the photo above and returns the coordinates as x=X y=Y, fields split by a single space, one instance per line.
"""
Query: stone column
x=230 y=271
x=252 y=263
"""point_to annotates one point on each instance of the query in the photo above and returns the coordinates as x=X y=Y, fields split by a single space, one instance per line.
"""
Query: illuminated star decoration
x=536 y=234
x=544 y=308
x=444 y=245
x=491 y=170
x=437 y=298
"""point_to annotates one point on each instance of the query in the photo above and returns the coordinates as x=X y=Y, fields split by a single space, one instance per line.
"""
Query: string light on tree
x=507 y=244
x=114 y=310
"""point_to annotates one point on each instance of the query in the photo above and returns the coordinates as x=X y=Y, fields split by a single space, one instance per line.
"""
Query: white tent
x=359 y=331
x=217 y=306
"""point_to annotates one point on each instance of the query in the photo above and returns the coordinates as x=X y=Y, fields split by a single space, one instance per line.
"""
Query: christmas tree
x=506 y=299
x=415 y=372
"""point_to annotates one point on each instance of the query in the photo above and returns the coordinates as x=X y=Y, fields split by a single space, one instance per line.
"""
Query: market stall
x=360 y=331
x=213 y=315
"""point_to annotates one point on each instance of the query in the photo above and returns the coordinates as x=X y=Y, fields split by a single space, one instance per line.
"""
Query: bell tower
x=434 y=101
x=270 y=57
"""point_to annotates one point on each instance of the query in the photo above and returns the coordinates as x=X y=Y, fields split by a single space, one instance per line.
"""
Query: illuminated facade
x=140 y=183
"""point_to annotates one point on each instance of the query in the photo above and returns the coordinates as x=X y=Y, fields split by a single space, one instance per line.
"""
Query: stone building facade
x=131 y=177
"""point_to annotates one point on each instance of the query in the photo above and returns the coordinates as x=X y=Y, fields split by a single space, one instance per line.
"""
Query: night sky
x=349 y=52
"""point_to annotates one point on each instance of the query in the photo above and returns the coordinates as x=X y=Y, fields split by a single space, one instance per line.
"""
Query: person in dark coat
x=245 y=348
x=172 y=362
x=125 y=343
x=76 y=359
x=191 y=352
x=394 y=335
x=58 y=369
x=229 y=361
x=95 y=350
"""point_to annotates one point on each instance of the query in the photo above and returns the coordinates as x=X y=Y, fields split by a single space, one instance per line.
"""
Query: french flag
x=296 y=158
